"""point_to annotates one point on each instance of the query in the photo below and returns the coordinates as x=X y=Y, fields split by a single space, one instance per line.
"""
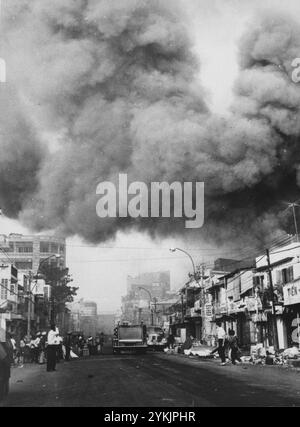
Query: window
x=54 y=248
x=10 y=248
x=4 y=289
x=287 y=274
x=12 y=290
x=24 y=265
x=24 y=247
x=258 y=281
x=44 y=247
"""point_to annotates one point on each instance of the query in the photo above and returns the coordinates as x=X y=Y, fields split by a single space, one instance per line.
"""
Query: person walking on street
x=171 y=341
x=101 y=342
x=221 y=334
x=52 y=348
x=22 y=346
x=234 y=347
x=59 y=354
x=90 y=345
x=68 y=346
x=42 y=348
x=14 y=347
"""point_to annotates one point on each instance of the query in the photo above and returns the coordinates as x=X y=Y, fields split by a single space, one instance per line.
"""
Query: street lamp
x=30 y=291
x=190 y=257
x=150 y=300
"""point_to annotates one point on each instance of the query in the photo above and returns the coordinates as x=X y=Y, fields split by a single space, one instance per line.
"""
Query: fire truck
x=131 y=338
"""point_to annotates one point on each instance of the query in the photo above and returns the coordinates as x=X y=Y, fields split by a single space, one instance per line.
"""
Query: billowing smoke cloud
x=116 y=82
x=21 y=154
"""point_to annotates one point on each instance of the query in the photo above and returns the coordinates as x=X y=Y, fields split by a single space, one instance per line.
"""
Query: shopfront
x=292 y=324
x=291 y=293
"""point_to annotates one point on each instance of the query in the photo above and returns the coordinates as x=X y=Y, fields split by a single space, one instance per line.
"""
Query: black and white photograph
x=149 y=206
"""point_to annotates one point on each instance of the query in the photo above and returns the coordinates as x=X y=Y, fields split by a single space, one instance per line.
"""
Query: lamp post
x=150 y=300
x=195 y=277
x=190 y=257
x=30 y=290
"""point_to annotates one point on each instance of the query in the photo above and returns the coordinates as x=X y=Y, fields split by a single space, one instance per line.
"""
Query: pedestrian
x=90 y=345
x=32 y=349
x=37 y=348
x=101 y=342
x=80 y=345
x=171 y=341
x=233 y=346
x=221 y=336
x=27 y=351
x=188 y=343
x=59 y=354
x=42 y=349
x=14 y=348
x=22 y=346
x=68 y=346
x=52 y=348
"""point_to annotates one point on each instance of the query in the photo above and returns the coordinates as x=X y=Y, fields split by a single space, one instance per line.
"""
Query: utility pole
x=274 y=323
x=29 y=305
x=295 y=220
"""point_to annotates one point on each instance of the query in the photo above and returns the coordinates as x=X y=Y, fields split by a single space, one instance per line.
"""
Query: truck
x=131 y=338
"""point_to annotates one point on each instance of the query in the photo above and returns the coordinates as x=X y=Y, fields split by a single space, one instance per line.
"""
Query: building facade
x=248 y=299
x=25 y=298
x=28 y=252
x=145 y=293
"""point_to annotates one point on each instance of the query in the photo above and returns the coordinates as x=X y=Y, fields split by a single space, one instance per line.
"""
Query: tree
x=61 y=293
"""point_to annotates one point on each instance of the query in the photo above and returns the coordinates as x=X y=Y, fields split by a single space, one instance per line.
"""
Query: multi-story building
x=12 y=310
x=249 y=299
x=157 y=283
x=143 y=293
x=28 y=252
x=83 y=317
x=106 y=323
x=25 y=254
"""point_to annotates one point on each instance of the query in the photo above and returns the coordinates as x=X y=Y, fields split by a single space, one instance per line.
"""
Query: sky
x=100 y=271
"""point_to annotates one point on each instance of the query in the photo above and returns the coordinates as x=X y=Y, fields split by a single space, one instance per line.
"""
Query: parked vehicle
x=155 y=338
x=130 y=338
x=5 y=363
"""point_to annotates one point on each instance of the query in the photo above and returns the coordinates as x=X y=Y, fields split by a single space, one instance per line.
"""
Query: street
x=154 y=379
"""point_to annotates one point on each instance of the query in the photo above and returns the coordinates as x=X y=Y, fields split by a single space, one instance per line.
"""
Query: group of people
x=29 y=349
x=227 y=342
x=41 y=347
x=89 y=346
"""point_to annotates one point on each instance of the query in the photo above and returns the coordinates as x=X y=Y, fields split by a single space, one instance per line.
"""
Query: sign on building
x=208 y=310
x=291 y=293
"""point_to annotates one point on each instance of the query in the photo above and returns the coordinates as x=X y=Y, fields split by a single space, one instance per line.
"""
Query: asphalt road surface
x=153 y=380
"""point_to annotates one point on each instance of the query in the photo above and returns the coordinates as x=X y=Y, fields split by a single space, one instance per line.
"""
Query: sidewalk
x=245 y=365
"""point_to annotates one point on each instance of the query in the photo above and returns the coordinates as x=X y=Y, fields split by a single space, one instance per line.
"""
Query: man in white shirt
x=221 y=334
x=52 y=348
x=221 y=341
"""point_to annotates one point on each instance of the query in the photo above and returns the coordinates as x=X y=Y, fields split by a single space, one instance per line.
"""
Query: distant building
x=83 y=317
x=106 y=323
x=157 y=283
x=143 y=292
x=88 y=308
